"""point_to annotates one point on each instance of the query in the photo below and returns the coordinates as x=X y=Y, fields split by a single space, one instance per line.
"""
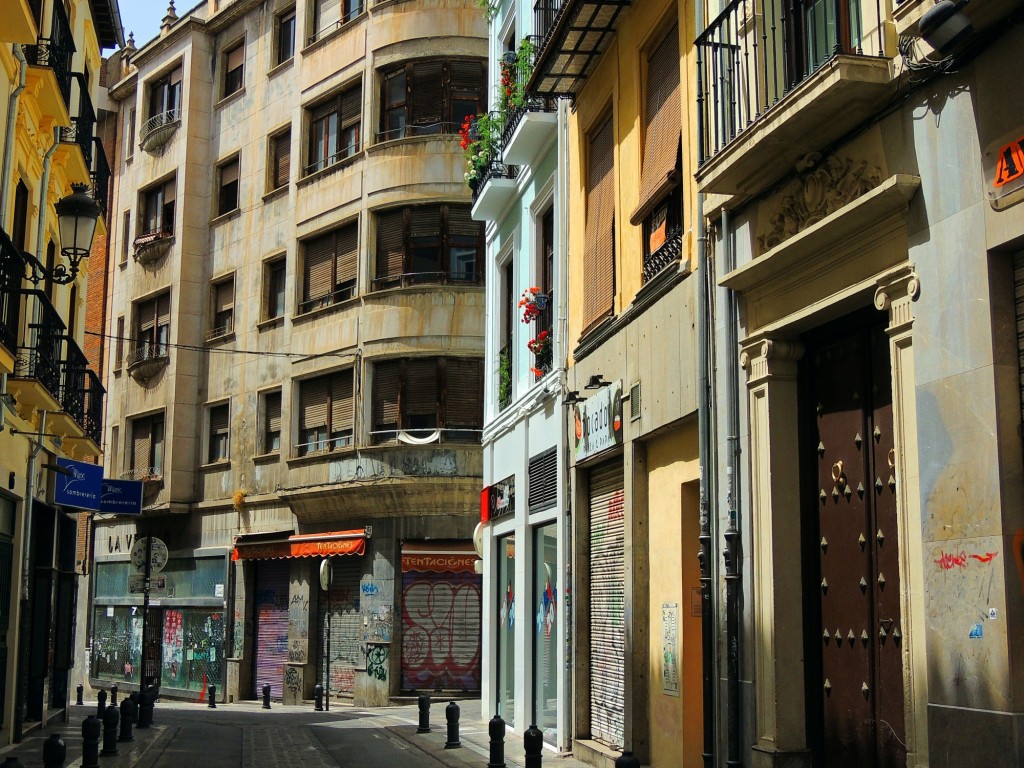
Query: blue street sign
x=80 y=487
x=121 y=497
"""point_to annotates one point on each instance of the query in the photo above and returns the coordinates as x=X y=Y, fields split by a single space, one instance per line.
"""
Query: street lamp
x=77 y=215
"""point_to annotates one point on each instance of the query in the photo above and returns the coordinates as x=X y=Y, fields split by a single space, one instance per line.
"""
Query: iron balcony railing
x=669 y=252
x=426 y=436
x=55 y=51
x=505 y=376
x=529 y=102
x=427 y=129
x=336 y=25
x=495 y=168
x=12 y=272
x=407 y=279
x=81 y=129
x=72 y=385
x=100 y=175
x=323 y=163
x=144 y=353
x=545 y=323
x=93 y=418
x=756 y=51
x=157 y=122
x=544 y=14
x=40 y=357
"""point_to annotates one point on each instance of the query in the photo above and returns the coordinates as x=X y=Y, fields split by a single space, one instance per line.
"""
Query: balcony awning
x=260 y=546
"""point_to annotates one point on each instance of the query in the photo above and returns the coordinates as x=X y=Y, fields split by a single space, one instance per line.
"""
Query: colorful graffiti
x=441 y=631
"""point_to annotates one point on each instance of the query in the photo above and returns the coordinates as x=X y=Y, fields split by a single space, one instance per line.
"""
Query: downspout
x=731 y=553
x=12 y=118
x=44 y=185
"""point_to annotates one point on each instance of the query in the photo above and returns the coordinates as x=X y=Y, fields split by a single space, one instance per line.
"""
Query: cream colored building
x=297 y=315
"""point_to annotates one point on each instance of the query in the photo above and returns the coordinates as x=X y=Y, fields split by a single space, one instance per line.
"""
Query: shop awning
x=260 y=547
x=446 y=557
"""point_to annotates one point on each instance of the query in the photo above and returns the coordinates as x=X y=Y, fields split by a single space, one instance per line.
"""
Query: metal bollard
x=213 y=697
x=80 y=690
x=533 y=746
x=423 y=702
x=451 y=713
x=496 y=730
x=146 y=699
x=55 y=752
x=627 y=760
x=91 y=742
x=318 y=698
x=128 y=714
x=101 y=704
x=11 y=762
x=266 y=695
x=110 y=720
x=113 y=695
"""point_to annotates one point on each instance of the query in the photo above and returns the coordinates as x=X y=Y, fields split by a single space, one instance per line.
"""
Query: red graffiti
x=948 y=561
x=986 y=558
x=441 y=631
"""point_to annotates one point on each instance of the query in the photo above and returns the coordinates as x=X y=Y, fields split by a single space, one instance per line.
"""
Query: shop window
x=428 y=244
x=427 y=398
x=326 y=413
x=218 y=438
x=329 y=266
x=430 y=97
x=334 y=129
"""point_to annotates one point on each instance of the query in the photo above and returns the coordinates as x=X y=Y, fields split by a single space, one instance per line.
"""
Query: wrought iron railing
x=669 y=252
x=328 y=299
x=544 y=14
x=56 y=51
x=40 y=358
x=529 y=102
x=100 y=175
x=93 y=418
x=545 y=323
x=146 y=474
x=81 y=129
x=494 y=168
x=320 y=34
x=756 y=51
x=407 y=279
x=72 y=385
x=12 y=272
x=323 y=163
x=323 y=444
x=409 y=130
x=156 y=122
x=144 y=353
x=505 y=376
x=153 y=236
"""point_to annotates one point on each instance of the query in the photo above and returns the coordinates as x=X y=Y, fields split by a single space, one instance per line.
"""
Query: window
x=234 y=68
x=158 y=211
x=545 y=280
x=126 y=235
x=329 y=268
x=428 y=97
x=119 y=344
x=165 y=95
x=152 y=327
x=218 y=435
x=280 y=165
x=599 y=232
x=325 y=413
x=271 y=422
x=129 y=135
x=223 y=308
x=285 y=37
x=147 y=459
x=273 y=289
x=227 y=184
x=420 y=395
x=334 y=129
x=428 y=243
x=329 y=15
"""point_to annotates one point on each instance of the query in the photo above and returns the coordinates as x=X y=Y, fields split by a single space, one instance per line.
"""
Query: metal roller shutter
x=271 y=626
x=342 y=604
x=607 y=598
x=1018 y=288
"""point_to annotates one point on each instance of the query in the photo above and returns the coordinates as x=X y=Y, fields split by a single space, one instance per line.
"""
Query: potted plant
x=532 y=302
x=541 y=348
x=479 y=141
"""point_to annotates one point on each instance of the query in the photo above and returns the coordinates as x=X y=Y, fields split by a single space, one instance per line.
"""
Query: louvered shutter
x=542 y=481
x=328 y=14
x=351 y=104
x=598 y=248
x=663 y=117
x=420 y=386
x=282 y=160
x=460 y=222
x=426 y=96
x=313 y=403
x=385 y=394
x=235 y=58
x=219 y=418
x=319 y=261
x=272 y=417
x=141 y=441
x=341 y=401
x=391 y=243
x=346 y=250
x=462 y=395
x=146 y=318
x=425 y=221
x=163 y=310
x=466 y=77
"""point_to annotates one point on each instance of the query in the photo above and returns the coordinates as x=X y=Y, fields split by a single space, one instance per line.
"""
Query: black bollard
x=101 y=704
x=533 y=746
x=80 y=690
x=91 y=742
x=11 y=762
x=423 y=702
x=266 y=695
x=213 y=697
x=55 y=752
x=111 y=717
x=113 y=695
x=627 y=760
x=496 y=730
x=451 y=714
x=318 y=698
x=146 y=699
x=128 y=714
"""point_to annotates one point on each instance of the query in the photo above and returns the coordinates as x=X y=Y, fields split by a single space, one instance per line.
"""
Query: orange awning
x=301 y=545
x=449 y=557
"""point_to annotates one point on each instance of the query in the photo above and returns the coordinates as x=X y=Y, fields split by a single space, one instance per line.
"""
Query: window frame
x=218 y=438
x=274 y=158
x=334 y=135
x=347 y=11
x=445 y=252
x=330 y=439
x=284 y=19
x=406 y=109
x=156 y=209
x=233 y=80
x=222 y=321
x=230 y=189
x=340 y=291
x=129 y=135
x=156 y=339
x=270 y=270
x=168 y=91
x=155 y=446
x=265 y=431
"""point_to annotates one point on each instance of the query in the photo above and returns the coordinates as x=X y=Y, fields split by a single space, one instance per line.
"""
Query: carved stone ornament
x=816 y=193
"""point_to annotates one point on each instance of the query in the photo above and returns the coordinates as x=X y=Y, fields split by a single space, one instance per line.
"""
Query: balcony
x=495 y=189
x=150 y=247
x=12 y=272
x=146 y=360
x=542 y=346
x=37 y=370
x=412 y=279
x=670 y=252
x=158 y=130
x=19 y=23
x=80 y=131
x=530 y=123
x=92 y=421
x=54 y=53
x=574 y=33
x=773 y=87
x=100 y=175
x=72 y=391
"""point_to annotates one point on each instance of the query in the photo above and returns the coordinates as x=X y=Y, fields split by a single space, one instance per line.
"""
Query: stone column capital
x=763 y=358
x=895 y=294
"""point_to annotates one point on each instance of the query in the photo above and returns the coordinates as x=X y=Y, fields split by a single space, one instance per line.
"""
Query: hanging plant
x=479 y=141
x=532 y=302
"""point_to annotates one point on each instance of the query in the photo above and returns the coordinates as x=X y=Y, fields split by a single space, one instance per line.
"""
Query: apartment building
x=297 y=317
x=53 y=198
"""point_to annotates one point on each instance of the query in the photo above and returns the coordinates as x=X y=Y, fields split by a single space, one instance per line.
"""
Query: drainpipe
x=731 y=553
x=3 y=401
x=12 y=117
x=44 y=185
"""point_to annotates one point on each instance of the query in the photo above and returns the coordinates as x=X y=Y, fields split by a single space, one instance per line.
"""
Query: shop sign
x=1004 y=170
x=503 y=497
x=597 y=422
x=121 y=497
x=78 y=485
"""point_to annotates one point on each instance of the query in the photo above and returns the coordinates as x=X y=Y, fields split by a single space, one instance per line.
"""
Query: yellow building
x=52 y=402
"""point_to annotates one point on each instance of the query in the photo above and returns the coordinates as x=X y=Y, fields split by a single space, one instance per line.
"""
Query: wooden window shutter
x=282 y=160
x=169 y=190
x=218 y=419
x=391 y=243
x=425 y=221
x=386 y=377
x=141 y=441
x=420 y=386
x=313 y=396
x=598 y=246
x=328 y=13
x=351 y=104
x=466 y=77
x=663 y=119
x=163 y=309
x=460 y=222
x=426 y=95
x=145 y=317
x=463 y=406
x=272 y=414
x=346 y=251
x=342 y=416
x=317 y=264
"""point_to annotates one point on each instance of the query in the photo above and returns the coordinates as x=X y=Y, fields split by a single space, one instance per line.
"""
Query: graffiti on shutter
x=271 y=626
